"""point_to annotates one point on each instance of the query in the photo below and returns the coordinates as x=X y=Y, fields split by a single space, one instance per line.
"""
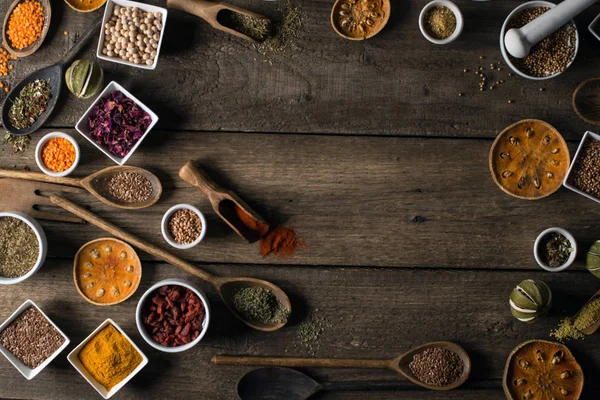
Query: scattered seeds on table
x=310 y=331
x=130 y=187
x=184 y=226
x=19 y=247
x=31 y=338
x=19 y=143
x=571 y=328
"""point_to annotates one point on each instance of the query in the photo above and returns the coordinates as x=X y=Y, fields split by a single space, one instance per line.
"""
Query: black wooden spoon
x=56 y=74
x=277 y=383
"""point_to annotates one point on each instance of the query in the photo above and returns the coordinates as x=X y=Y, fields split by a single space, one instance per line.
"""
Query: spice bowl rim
x=40 y=147
x=108 y=8
x=459 y=21
x=586 y=135
x=536 y=249
x=42 y=243
x=82 y=128
x=75 y=263
x=594 y=27
x=165 y=231
x=76 y=363
x=505 y=56
x=176 y=282
x=27 y=372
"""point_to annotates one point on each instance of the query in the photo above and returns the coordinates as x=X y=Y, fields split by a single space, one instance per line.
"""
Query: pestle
x=519 y=42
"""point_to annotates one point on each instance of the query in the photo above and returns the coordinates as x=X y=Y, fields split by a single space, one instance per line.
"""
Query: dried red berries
x=173 y=316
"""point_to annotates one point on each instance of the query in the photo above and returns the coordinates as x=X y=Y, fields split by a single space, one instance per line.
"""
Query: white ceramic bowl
x=40 y=147
x=146 y=297
x=43 y=245
x=82 y=124
x=587 y=136
x=165 y=231
x=459 y=21
x=73 y=358
x=27 y=372
x=595 y=27
x=536 y=250
x=108 y=12
x=504 y=52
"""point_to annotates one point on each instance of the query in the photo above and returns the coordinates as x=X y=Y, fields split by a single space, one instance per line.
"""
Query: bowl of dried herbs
x=555 y=249
x=22 y=247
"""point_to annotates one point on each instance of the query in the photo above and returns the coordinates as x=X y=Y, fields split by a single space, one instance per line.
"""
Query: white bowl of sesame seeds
x=179 y=226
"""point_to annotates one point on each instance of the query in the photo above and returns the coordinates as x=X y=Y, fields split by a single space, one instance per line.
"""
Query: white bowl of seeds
x=441 y=22
x=23 y=247
x=183 y=226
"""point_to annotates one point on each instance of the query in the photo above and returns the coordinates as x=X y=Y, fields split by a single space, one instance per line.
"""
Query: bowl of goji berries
x=173 y=316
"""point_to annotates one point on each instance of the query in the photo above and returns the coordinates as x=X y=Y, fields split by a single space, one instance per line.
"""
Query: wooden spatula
x=225 y=202
x=24 y=196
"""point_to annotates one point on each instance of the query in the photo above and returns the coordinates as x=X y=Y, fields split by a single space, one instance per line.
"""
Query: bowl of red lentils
x=183 y=226
x=57 y=154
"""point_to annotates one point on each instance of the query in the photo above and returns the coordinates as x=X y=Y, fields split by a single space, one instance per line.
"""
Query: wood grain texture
x=361 y=201
x=373 y=313
x=396 y=83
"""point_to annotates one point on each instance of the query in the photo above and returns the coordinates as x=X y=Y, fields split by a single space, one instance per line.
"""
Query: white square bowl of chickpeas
x=132 y=33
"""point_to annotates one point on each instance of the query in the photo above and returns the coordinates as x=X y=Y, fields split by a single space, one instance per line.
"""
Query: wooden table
x=368 y=151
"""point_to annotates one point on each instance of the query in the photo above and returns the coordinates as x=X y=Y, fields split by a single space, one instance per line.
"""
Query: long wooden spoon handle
x=39 y=177
x=301 y=362
x=197 y=177
x=134 y=240
x=204 y=9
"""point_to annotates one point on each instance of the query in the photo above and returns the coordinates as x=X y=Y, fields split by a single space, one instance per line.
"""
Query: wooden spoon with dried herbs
x=227 y=18
x=30 y=102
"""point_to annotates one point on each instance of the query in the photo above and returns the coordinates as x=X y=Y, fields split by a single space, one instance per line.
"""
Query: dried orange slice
x=539 y=369
x=106 y=271
x=529 y=159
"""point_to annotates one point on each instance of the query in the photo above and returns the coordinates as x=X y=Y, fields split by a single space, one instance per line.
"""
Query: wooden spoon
x=277 y=383
x=56 y=75
x=32 y=48
x=226 y=287
x=398 y=365
x=209 y=11
x=96 y=184
x=592 y=328
x=224 y=202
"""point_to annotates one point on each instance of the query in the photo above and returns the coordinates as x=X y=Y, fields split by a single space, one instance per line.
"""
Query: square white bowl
x=82 y=124
x=587 y=136
x=73 y=358
x=108 y=11
x=27 y=372
x=595 y=27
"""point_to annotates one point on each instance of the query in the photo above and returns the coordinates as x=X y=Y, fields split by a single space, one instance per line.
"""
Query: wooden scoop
x=32 y=48
x=224 y=202
x=96 y=184
x=398 y=365
x=592 y=328
x=209 y=11
x=25 y=197
x=226 y=287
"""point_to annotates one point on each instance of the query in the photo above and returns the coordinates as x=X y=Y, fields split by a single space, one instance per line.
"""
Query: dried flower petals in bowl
x=173 y=316
x=107 y=271
x=545 y=368
x=529 y=159
x=116 y=123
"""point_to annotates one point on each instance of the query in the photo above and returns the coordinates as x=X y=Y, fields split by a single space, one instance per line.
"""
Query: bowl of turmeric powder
x=57 y=154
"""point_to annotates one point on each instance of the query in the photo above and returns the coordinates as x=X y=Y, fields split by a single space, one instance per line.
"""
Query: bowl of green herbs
x=555 y=249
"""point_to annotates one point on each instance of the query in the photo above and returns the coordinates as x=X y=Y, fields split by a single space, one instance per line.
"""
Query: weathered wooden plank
x=373 y=313
x=394 y=84
x=356 y=201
